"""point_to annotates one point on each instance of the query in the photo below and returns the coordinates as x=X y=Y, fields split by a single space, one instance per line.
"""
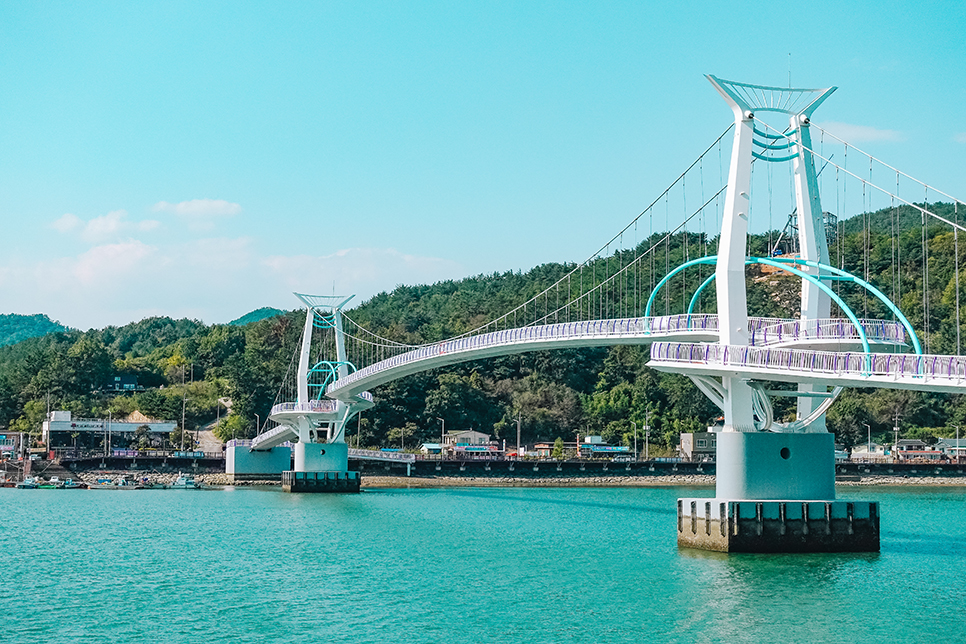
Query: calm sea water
x=456 y=565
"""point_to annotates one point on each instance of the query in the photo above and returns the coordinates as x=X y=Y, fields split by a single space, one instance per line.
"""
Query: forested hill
x=14 y=327
x=254 y=316
x=555 y=393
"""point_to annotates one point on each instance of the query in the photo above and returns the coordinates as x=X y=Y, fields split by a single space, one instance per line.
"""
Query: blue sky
x=205 y=159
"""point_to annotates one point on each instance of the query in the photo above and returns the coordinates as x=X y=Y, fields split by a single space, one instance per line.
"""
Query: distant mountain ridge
x=15 y=328
x=258 y=314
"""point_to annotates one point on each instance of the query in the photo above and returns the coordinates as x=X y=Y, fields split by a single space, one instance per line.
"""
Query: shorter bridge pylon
x=311 y=425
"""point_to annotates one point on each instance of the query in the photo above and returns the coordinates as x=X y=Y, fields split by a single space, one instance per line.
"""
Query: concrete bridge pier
x=775 y=492
x=322 y=466
x=242 y=463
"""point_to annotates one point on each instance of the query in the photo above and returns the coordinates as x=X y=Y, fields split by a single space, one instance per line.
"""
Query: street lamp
x=956 y=449
x=519 y=418
x=442 y=435
x=635 y=439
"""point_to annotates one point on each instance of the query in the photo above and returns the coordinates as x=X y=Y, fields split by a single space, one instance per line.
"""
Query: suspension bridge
x=650 y=285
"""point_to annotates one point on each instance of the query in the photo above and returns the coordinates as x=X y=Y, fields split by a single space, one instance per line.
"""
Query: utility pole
x=895 y=442
x=647 y=434
x=956 y=449
x=519 y=418
x=635 y=439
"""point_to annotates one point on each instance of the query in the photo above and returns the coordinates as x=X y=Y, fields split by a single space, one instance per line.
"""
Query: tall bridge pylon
x=760 y=471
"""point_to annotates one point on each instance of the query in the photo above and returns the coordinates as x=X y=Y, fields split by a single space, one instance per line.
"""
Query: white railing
x=270 y=434
x=828 y=362
x=767 y=331
x=376 y=455
x=246 y=442
x=325 y=406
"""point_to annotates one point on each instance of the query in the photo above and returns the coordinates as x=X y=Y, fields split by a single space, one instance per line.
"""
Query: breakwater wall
x=592 y=469
x=529 y=469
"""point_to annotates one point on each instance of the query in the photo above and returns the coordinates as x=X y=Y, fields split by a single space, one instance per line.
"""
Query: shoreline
x=402 y=482
x=693 y=481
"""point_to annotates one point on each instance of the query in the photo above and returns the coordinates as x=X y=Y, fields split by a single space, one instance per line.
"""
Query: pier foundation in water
x=776 y=493
x=321 y=467
x=778 y=526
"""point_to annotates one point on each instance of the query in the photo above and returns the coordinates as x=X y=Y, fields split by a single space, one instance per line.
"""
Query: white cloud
x=67 y=223
x=360 y=271
x=960 y=138
x=213 y=279
x=860 y=133
x=110 y=264
x=199 y=208
x=104 y=228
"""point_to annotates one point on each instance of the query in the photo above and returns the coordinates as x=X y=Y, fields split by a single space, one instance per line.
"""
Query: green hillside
x=257 y=315
x=15 y=328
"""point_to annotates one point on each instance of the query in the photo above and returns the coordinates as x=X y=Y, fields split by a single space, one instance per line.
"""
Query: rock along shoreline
x=686 y=480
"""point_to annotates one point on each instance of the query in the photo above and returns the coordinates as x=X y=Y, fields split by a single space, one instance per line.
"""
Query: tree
x=142 y=437
x=181 y=438
x=399 y=435
x=462 y=401
x=558 y=448
x=232 y=426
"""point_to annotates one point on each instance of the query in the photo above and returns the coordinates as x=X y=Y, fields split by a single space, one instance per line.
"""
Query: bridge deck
x=640 y=330
x=888 y=370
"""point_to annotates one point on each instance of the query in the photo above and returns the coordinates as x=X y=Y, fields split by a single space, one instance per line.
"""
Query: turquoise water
x=456 y=565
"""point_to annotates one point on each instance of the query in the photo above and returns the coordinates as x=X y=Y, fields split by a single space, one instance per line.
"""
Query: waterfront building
x=869 y=452
x=698 y=446
x=465 y=437
x=952 y=448
x=431 y=448
x=909 y=449
x=11 y=444
x=60 y=426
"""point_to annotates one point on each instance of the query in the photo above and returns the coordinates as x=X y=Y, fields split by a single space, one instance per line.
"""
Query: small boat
x=102 y=484
x=120 y=483
x=148 y=484
x=71 y=484
x=29 y=483
x=186 y=482
x=53 y=484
